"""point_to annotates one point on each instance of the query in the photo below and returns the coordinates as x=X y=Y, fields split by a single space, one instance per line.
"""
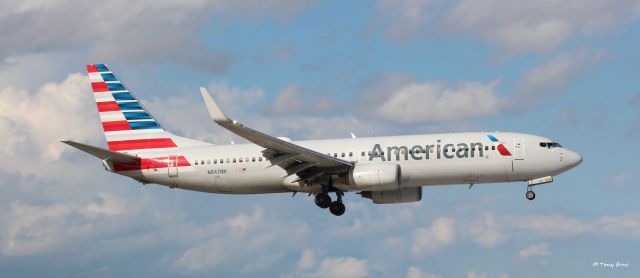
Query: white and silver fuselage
x=435 y=159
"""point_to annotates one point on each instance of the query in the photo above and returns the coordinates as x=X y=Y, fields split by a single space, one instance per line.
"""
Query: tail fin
x=127 y=125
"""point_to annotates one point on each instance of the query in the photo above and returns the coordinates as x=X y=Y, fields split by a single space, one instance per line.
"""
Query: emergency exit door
x=173 y=166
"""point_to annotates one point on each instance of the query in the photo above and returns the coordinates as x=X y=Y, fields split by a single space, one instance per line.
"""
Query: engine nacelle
x=374 y=176
x=402 y=195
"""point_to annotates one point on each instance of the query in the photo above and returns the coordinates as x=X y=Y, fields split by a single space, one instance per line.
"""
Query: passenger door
x=518 y=149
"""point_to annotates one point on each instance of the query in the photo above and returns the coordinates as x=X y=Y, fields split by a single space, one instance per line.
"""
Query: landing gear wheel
x=530 y=195
x=337 y=208
x=323 y=200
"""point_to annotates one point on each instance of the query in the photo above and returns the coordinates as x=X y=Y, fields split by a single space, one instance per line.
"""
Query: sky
x=303 y=69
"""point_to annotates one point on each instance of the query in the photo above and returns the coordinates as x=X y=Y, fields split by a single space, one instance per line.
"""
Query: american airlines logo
x=436 y=151
x=501 y=148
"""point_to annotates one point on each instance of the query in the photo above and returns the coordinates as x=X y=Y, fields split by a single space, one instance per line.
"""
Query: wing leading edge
x=293 y=158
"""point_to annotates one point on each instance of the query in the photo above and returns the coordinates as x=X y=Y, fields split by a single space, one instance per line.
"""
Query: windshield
x=550 y=145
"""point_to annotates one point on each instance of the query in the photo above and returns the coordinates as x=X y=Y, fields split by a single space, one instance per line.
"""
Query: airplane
x=389 y=169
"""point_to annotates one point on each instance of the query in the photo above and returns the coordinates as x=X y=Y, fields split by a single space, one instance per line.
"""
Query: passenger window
x=196 y=162
x=253 y=159
x=227 y=160
x=202 y=162
x=234 y=160
x=362 y=154
x=493 y=148
x=486 y=148
x=240 y=160
x=260 y=158
x=208 y=161
x=215 y=161
x=335 y=154
x=350 y=154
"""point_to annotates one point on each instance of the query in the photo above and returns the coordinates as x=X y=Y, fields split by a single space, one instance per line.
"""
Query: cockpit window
x=550 y=145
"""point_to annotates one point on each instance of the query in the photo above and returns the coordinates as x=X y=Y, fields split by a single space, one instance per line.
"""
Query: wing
x=295 y=159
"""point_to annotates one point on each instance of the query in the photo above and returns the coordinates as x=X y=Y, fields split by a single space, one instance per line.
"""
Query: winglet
x=214 y=111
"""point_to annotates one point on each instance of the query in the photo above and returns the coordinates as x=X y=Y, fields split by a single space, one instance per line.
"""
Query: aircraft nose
x=573 y=159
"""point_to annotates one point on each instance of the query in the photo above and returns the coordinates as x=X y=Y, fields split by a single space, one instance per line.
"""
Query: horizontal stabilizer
x=102 y=153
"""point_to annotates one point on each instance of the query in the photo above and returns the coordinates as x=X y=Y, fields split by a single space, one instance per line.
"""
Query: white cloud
x=434 y=102
x=250 y=107
x=439 y=235
x=473 y=274
x=518 y=26
x=405 y=17
x=35 y=122
x=290 y=101
x=620 y=179
x=486 y=231
x=553 y=225
x=373 y=220
x=126 y=33
x=246 y=234
x=535 y=250
x=626 y=225
x=342 y=267
x=39 y=229
x=524 y=26
x=414 y=272
x=552 y=77
x=307 y=260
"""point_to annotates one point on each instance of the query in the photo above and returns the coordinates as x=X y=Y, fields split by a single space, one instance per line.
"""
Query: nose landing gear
x=530 y=194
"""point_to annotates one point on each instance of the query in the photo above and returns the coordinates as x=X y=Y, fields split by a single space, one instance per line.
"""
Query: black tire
x=323 y=200
x=530 y=195
x=337 y=208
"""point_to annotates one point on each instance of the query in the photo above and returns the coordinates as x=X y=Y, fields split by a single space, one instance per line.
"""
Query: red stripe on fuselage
x=107 y=106
x=92 y=68
x=141 y=144
x=150 y=163
x=99 y=87
x=116 y=126
x=503 y=150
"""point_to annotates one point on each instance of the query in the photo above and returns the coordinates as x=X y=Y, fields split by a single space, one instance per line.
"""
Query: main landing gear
x=323 y=200
x=530 y=194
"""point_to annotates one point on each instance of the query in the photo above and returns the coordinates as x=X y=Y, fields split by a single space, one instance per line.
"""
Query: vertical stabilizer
x=127 y=125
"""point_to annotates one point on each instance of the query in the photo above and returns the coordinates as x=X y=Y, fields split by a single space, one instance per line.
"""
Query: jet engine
x=374 y=177
x=402 y=195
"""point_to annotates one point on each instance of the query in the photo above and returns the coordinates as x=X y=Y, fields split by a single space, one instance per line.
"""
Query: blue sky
x=567 y=70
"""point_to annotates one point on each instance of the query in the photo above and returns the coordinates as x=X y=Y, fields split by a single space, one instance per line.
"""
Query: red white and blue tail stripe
x=127 y=125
